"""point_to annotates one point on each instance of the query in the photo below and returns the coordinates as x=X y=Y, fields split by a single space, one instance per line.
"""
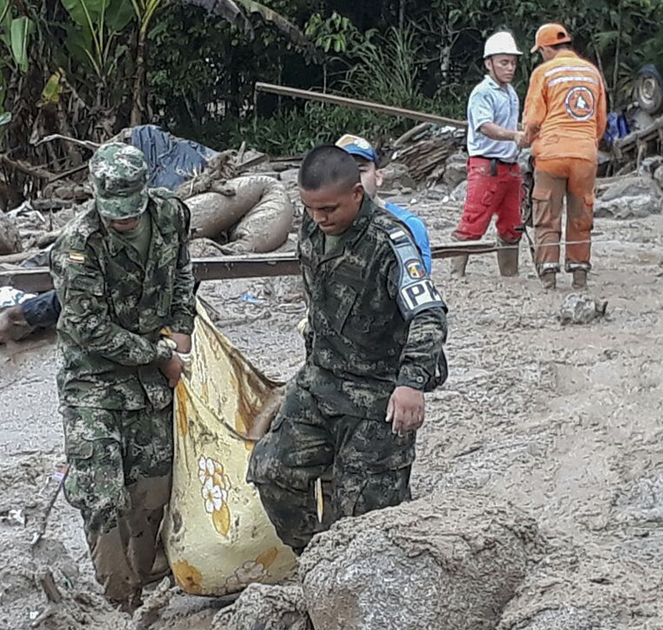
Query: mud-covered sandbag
x=213 y=214
x=217 y=536
x=267 y=224
x=255 y=213
x=10 y=238
x=449 y=563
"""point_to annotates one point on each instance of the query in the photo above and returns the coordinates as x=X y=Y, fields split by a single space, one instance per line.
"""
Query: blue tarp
x=171 y=161
x=616 y=128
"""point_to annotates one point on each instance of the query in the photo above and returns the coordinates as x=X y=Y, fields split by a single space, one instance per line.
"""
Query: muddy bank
x=561 y=420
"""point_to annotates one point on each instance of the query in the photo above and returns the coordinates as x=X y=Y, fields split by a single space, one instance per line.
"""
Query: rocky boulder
x=581 y=309
x=10 y=239
x=266 y=607
x=396 y=176
x=459 y=193
x=455 y=170
x=451 y=564
x=658 y=176
x=630 y=198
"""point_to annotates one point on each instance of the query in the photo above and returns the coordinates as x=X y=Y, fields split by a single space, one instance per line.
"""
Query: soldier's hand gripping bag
x=217 y=535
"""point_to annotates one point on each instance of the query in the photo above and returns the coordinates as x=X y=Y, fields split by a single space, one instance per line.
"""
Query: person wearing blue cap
x=367 y=161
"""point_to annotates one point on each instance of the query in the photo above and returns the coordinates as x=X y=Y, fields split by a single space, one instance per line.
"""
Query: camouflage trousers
x=362 y=464
x=120 y=465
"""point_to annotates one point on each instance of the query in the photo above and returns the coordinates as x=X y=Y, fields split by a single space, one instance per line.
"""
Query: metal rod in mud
x=344 y=101
x=231 y=267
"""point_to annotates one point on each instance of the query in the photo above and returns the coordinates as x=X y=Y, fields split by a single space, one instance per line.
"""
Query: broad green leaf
x=79 y=43
x=86 y=13
x=5 y=118
x=20 y=31
x=118 y=14
x=5 y=14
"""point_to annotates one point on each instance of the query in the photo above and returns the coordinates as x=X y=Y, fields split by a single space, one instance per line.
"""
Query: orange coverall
x=564 y=118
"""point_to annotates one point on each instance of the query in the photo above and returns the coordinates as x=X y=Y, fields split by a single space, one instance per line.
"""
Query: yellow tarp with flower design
x=217 y=535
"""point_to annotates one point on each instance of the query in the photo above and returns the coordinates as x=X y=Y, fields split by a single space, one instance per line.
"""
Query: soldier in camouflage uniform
x=122 y=273
x=345 y=434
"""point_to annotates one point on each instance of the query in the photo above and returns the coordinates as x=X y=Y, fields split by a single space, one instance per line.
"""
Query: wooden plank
x=38 y=279
x=332 y=99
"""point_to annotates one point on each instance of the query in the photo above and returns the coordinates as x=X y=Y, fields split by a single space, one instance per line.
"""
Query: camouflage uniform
x=116 y=404
x=363 y=340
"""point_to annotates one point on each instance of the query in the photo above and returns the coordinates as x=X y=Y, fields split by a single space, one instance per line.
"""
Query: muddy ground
x=565 y=421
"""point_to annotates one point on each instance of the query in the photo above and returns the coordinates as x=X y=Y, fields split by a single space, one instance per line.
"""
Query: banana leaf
x=20 y=30
x=233 y=11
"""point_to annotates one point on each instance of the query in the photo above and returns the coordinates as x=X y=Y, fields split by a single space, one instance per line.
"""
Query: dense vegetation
x=88 y=68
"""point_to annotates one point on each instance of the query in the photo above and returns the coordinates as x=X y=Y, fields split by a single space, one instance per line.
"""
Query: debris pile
x=425 y=150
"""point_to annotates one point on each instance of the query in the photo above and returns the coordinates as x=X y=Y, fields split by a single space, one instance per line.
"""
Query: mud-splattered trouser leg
x=365 y=466
x=555 y=180
x=120 y=465
x=580 y=214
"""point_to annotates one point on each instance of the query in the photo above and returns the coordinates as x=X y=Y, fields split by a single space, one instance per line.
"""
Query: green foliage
x=92 y=37
x=16 y=34
x=20 y=30
x=388 y=70
x=115 y=14
x=88 y=55
x=331 y=34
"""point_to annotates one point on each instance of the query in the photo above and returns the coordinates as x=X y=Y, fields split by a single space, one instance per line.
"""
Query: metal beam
x=332 y=99
x=232 y=267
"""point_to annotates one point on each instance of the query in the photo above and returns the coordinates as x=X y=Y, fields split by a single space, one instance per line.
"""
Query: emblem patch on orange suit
x=580 y=103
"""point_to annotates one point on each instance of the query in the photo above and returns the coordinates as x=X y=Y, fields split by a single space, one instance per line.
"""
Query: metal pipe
x=358 y=104
x=38 y=279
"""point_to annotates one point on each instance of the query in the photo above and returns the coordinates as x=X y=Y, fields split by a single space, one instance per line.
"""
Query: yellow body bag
x=217 y=535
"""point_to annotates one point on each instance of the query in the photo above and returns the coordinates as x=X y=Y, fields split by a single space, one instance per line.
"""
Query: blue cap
x=360 y=147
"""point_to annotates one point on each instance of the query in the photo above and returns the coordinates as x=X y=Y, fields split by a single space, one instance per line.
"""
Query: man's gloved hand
x=405 y=410
x=12 y=324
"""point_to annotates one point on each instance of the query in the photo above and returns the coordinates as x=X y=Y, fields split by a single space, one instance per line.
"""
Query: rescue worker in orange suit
x=564 y=119
x=494 y=182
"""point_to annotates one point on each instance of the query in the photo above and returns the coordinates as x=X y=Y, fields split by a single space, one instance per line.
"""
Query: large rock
x=459 y=193
x=629 y=187
x=395 y=176
x=658 y=176
x=581 y=309
x=630 y=198
x=10 y=239
x=576 y=592
x=289 y=178
x=448 y=564
x=629 y=207
x=264 y=607
x=455 y=170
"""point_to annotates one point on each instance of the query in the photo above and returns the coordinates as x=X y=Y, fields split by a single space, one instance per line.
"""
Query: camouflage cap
x=119 y=176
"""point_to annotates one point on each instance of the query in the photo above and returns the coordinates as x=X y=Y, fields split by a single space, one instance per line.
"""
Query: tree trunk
x=139 y=103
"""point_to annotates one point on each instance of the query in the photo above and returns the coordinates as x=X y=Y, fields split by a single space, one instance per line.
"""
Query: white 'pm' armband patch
x=416 y=291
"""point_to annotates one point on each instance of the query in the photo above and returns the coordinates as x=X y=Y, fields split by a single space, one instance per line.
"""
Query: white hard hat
x=500 y=44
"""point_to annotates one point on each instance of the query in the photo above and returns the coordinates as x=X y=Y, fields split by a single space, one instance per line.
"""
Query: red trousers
x=489 y=194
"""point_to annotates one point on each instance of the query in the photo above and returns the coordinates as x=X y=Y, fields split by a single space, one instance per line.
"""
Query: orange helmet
x=550 y=35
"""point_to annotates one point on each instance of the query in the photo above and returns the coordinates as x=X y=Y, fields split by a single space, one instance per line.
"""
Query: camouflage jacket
x=113 y=307
x=363 y=340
